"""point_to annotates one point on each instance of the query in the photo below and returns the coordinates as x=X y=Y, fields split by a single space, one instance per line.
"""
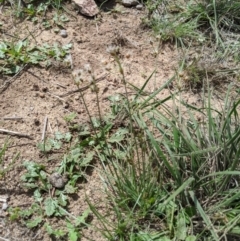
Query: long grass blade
x=204 y=216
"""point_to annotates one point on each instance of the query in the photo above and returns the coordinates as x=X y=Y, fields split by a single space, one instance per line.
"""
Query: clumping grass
x=179 y=180
x=177 y=177
x=208 y=28
x=209 y=18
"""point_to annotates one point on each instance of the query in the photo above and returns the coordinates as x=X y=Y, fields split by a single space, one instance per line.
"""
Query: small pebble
x=31 y=108
x=42 y=95
x=139 y=7
x=4 y=206
x=88 y=192
x=129 y=3
x=56 y=30
x=63 y=33
x=128 y=55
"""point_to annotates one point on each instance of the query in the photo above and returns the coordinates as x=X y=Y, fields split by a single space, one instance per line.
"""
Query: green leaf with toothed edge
x=50 y=206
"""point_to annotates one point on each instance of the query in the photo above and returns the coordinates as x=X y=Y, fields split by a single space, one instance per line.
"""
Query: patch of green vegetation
x=207 y=27
x=16 y=53
x=99 y=139
x=5 y=168
x=13 y=56
x=39 y=12
x=50 y=203
x=36 y=215
x=209 y=18
x=32 y=8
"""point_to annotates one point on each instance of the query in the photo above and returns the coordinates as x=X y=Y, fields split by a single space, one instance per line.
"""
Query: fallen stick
x=64 y=87
x=56 y=96
x=83 y=88
x=12 y=118
x=44 y=128
x=14 y=133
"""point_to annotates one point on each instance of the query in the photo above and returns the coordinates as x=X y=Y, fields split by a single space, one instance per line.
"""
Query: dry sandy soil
x=36 y=93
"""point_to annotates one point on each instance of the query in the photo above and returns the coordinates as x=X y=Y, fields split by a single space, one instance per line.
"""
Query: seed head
x=77 y=76
x=113 y=50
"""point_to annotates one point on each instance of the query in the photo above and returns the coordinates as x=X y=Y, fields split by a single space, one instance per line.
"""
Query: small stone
x=77 y=97
x=87 y=7
x=129 y=3
x=128 y=55
x=4 y=206
x=139 y=7
x=57 y=180
x=56 y=30
x=42 y=95
x=31 y=108
x=88 y=192
x=63 y=33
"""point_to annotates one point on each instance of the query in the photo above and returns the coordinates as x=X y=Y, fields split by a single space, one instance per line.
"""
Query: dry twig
x=83 y=88
x=44 y=128
x=12 y=118
x=14 y=133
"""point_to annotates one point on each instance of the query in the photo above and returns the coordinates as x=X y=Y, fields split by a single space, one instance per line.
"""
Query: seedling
x=54 y=143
